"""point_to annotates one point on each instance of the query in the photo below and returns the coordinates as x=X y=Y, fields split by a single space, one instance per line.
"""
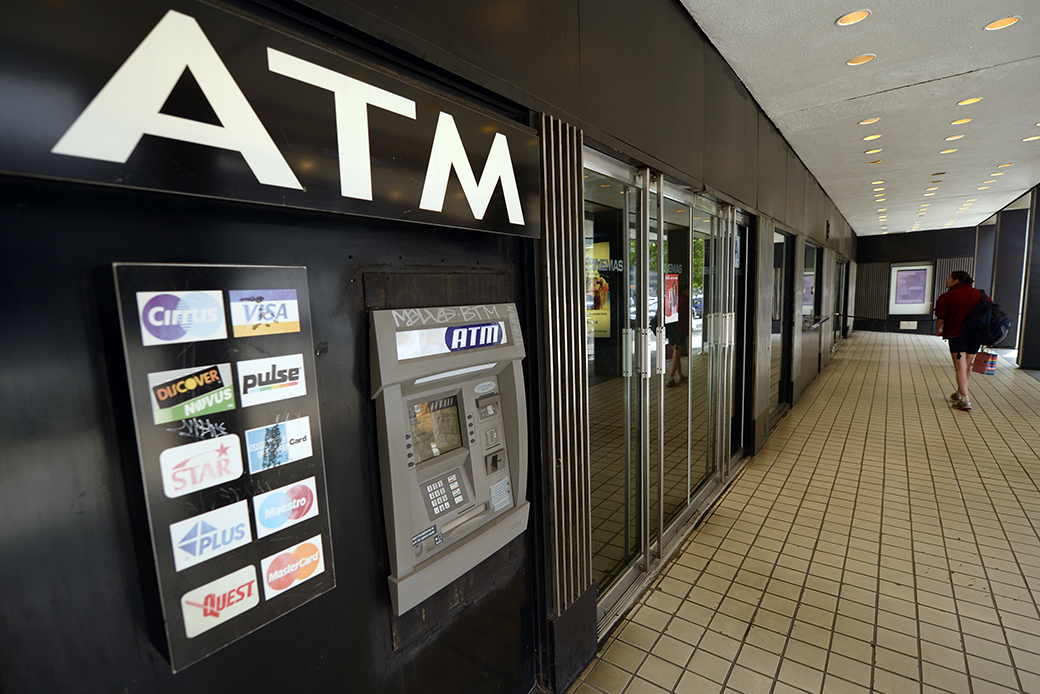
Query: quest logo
x=285 y=507
x=270 y=380
x=264 y=312
x=293 y=566
x=211 y=534
x=187 y=393
x=219 y=601
x=278 y=444
x=200 y=465
x=171 y=317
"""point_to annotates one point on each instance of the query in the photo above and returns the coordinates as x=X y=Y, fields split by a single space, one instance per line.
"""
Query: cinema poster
x=601 y=272
x=221 y=372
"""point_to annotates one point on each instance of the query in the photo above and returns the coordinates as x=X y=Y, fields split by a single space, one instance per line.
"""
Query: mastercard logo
x=293 y=566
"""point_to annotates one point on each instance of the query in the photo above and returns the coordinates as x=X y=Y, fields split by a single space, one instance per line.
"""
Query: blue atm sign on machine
x=183 y=97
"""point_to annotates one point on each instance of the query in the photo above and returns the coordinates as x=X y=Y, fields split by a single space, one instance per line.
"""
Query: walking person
x=951 y=308
x=677 y=337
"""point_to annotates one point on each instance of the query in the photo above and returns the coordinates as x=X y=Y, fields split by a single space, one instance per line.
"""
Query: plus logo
x=209 y=535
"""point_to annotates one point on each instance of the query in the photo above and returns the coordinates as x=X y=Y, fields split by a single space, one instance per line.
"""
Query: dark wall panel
x=730 y=132
x=918 y=245
x=796 y=175
x=1008 y=266
x=642 y=80
x=71 y=595
x=987 y=247
x=526 y=51
x=772 y=170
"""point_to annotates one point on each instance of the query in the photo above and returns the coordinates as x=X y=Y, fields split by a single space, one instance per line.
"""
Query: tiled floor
x=880 y=542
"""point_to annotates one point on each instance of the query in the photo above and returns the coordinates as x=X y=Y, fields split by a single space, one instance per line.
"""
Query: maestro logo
x=270 y=380
x=219 y=601
x=171 y=317
x=285 y=507
x=264 y=312
x=200 y=465
x=293 y=566
x=209 y=535
x=278 y=444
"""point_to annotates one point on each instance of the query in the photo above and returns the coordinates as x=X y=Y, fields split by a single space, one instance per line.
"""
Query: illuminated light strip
x=456 y=372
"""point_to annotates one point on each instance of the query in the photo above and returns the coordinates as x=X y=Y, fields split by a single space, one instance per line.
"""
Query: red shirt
x=953 y=307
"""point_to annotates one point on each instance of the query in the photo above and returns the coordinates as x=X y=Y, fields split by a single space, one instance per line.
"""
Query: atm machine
x=452 y=420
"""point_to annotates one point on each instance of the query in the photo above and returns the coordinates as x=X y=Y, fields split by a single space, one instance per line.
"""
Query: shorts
x=963 y=344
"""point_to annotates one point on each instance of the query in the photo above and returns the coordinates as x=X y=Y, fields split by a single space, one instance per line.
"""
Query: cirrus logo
x=172 y=317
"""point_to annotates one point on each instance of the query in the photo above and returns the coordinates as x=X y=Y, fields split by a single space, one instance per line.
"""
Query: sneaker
x=962 y=405
x=955 y=395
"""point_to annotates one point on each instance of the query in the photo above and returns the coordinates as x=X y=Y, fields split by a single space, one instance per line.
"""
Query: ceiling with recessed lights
x=874 y=104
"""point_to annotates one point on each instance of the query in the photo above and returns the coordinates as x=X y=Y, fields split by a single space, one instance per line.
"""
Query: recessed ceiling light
x=982 y=188
x=933 y=188
x=875 y=151
x=953 y=137
x=869 y=121
x=990 y=181
x=871 y=137
x=967 y=102
x=928 y=195
x=1001 y=23
x=948 y=151
x=882 y=209
x=861 y=59
x=852 y=18
x=1030 y=139
x=604 y=185
x=879 y=195
x=926 y=204
x=939 y=173
x=877 y=161
x=939 y=181
x=880 y=200
x=882 y=188
x=999 y=173
x=1001 y=166
x=972 y=200
x=876 y=183
x=958 y=211
x=961 y=121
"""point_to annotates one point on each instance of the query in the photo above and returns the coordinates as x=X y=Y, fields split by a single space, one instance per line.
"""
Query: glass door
x=782 y=332
x=659 y=344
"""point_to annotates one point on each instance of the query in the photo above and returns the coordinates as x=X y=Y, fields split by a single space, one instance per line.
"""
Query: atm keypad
x=444 y=493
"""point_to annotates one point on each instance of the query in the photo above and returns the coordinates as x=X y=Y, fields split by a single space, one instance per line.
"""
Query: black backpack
x=986 y=323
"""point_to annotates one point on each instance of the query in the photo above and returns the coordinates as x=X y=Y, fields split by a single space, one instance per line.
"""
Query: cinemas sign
x=185 y=97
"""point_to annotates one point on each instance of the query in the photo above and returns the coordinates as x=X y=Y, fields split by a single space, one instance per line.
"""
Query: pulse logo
x=285 y=507
x=270 y=380
x=187 y=393
x=219 y=601
x=470 y=336
x=210 y=534
x=295 y=565
x=200 y=465
x=264 y=312
x=278 y=444
x=171 y=317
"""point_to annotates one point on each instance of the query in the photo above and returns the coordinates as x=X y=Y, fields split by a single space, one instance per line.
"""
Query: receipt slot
x=452 y=423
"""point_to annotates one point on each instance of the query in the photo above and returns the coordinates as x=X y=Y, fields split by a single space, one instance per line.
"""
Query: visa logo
x=173 y=317
x=209 y=535
x=469 y=336
x=219 y=601
x=264 y=312
x=200 y=465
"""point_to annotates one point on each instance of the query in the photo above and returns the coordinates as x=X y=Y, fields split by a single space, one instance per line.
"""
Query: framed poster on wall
x=910 y=290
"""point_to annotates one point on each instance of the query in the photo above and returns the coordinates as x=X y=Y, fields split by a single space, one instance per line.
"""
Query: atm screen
x=436 y=428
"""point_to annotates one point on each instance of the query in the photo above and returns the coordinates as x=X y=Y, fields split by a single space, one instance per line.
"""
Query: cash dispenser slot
x=450 y=404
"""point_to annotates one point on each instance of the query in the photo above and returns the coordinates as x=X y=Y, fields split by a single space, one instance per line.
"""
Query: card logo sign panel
x=172 y=317
x=219 y=601
x=264 y=312
x=211 y=534
x=278 y=444
x=292 y=567
x=285 y=507
x=272 y=379
x=187 y=393
x=200 y=465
